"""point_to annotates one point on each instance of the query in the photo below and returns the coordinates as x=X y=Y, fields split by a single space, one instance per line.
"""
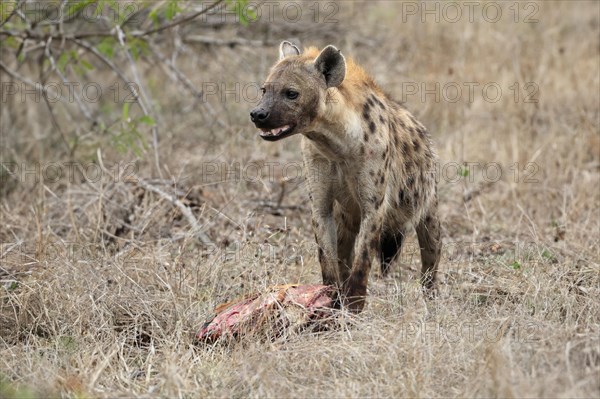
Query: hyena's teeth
x=276 y=131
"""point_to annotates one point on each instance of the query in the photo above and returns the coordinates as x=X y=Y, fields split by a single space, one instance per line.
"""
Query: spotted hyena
x=374 y=163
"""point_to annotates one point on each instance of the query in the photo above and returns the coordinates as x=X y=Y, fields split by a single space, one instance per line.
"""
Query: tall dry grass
x=103 y=290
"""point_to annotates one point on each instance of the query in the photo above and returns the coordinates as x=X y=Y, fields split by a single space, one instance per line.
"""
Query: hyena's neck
x=336 y=132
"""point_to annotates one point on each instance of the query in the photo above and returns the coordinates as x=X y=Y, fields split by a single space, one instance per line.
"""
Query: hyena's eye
x=263 y=90
x=291 y=94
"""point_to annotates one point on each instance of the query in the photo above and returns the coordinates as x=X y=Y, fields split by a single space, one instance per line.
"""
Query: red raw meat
x=281 y=307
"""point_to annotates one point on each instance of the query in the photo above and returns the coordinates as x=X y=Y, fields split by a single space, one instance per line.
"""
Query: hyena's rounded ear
x=287 y=49
x=332 y=64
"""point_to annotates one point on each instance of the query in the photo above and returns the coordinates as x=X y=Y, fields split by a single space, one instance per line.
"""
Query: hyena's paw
x=355 y=297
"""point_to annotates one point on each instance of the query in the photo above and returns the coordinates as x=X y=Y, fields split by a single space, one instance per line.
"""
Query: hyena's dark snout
x=259 y=115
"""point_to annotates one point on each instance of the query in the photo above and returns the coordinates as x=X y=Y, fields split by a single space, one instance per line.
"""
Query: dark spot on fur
x=381 y=119
x=401 y=197
x=366 y=137
x=379 y=103
x=416 y=144
x=410 y=181
x=372 y=126
x=320 y=254
x=374 y=243
x=360 y=274
x=421 y=131
x=382 y=179
x=366 y=111
x=365 y=258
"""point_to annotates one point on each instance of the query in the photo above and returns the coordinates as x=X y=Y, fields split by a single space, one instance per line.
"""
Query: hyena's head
x=295 y=91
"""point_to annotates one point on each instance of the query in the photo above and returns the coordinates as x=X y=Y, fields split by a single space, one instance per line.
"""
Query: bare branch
x=178 y=22
x=84 y=35
x=35 y=85
x=86 y=112
x=112 y=66
x=143 y=100
x=185 y=81
x=225 y=42
x=196 y=227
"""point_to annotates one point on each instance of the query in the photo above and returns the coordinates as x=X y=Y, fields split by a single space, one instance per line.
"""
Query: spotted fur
x=369 y=164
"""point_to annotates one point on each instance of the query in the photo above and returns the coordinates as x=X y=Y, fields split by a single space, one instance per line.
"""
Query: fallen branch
x=196 y=228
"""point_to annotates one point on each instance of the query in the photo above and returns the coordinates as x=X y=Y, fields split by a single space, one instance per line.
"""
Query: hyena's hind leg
x=391 y=245
x=430 y=240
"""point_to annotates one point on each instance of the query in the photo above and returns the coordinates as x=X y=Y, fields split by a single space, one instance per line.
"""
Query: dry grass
x=103 y=291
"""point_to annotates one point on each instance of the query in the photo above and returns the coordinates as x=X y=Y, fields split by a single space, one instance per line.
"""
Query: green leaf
x=244 y=13
x=125 y=112
x=63 y=60
x=515 y=265
x=138 y=47
x=548 y=255
x=99 y=8
x=75 y=6
x=172 y=10
x=153 y=15
x=107 y=47
x=86 y=64
x=6 y=8
x=11 y=42
x=147 y=120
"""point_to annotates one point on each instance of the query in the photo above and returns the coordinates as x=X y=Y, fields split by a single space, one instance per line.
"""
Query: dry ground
x=102 y=290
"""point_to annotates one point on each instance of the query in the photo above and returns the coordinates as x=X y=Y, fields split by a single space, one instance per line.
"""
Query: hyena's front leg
x=430 y=241
x=326 y=237
x=367 y=245
x=321 y=197
x=347 y=230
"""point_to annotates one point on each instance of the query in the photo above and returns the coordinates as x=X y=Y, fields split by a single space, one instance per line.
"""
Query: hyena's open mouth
x=277 y=133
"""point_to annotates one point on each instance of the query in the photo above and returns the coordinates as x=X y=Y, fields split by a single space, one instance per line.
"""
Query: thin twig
x=196 y=228
x=178 y=22
x=85 y=35
x=143 y=100
x=112 y=66
x=12 y=13
x=86 y=112
x=35 y=85
x=186 y=82
x=225 y=42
